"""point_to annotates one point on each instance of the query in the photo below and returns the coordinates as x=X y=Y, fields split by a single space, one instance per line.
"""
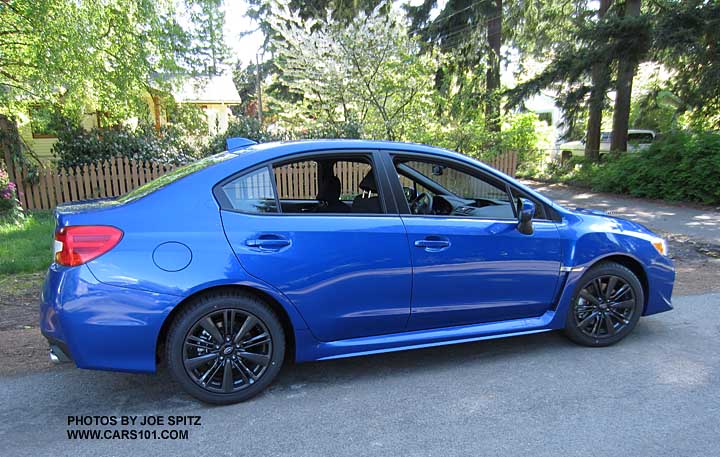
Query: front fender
x=590 y=240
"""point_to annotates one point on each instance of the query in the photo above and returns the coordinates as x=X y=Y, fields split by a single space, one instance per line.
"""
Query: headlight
x=660 y=245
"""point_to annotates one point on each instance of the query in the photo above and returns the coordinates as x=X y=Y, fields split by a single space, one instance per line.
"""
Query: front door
x=470 y=263
x=338 y=256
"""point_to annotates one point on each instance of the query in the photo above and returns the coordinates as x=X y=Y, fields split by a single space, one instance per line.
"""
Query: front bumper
x=98 y=326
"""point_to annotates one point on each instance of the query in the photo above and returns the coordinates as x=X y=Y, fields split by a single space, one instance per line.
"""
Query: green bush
x=250 y=128
x=10 y=209
x=245 y=127
x=680 y=166
x=77 y=147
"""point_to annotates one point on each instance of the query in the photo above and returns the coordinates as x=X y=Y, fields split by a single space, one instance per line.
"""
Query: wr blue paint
x=348 y=284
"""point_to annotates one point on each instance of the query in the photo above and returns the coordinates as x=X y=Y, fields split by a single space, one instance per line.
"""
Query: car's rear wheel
x=606 y=306
x=225 y=347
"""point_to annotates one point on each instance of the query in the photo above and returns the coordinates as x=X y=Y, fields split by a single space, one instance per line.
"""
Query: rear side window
x=252 y=192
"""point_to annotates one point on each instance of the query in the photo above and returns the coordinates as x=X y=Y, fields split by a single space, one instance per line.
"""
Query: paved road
x=699 y=224
x=656 y=393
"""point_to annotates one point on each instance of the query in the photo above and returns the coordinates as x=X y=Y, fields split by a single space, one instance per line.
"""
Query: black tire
x=251 y=368
x=596 y=316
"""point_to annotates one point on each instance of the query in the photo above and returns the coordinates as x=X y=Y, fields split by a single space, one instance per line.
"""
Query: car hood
x=618 y=223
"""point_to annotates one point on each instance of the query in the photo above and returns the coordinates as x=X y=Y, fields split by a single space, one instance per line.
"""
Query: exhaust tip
x=57 y=356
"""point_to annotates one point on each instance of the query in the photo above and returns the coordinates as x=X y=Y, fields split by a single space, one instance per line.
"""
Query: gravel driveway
x=698 y=223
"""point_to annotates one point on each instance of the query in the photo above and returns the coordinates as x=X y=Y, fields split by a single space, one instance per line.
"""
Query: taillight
x=76 y=245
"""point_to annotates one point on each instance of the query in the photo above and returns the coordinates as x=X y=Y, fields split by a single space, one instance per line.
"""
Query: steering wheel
x=422 y=204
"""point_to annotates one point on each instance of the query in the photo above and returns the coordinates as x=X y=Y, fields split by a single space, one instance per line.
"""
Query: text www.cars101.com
x=91 y=434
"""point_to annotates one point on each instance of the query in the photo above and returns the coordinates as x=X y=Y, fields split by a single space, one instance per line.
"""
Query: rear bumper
x=98 y=326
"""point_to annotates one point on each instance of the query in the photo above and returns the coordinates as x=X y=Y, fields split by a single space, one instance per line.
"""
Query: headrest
x=329 y=190
x=368 y=182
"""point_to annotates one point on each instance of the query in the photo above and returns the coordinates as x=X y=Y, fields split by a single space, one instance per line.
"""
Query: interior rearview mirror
x=526 y=212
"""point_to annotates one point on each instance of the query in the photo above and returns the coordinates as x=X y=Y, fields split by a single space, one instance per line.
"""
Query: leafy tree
x=470 y=70
x=367 y=72
x=613 y=41
x=686 y=39
x=77 y=54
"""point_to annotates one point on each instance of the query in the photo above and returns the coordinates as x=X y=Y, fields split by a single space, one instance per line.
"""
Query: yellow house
x=213 y=95
x=40 y=140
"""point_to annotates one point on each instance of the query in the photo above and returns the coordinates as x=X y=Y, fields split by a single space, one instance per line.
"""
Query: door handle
x=432 y=244
x=267 y=243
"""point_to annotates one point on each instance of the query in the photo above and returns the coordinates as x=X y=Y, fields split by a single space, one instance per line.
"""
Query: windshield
x=173 y=176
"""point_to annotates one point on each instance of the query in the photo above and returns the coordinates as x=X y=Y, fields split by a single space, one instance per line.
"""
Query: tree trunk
x=600 y=81
x=9 y=143
x=494 y=37
x=626 y=72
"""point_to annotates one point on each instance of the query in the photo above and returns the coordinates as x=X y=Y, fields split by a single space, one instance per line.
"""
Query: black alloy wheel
x=606 y=306
x=225 y=347
x=227 y=350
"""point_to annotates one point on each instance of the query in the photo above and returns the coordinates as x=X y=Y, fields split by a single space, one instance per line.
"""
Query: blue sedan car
x=316 y=250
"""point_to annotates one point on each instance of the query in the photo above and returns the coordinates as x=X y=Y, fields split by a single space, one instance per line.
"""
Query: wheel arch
x=272 y=302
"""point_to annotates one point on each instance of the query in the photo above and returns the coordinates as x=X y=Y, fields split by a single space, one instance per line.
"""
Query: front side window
x=251 y=193
x=438 y=188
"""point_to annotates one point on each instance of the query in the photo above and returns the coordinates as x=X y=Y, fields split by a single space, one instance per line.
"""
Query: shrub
x=679 y=166
x=245 y=127
x=77 y=147
x=250 y=128
x=10 y=208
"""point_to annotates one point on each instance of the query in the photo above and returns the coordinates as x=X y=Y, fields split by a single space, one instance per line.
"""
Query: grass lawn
x=27 y=247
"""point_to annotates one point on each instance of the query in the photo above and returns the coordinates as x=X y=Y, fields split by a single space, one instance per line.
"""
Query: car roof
x=633 y=131
x=278 y=149
x=264 y=152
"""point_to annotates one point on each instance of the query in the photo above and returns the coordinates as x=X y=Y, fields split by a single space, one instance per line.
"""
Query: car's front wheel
x=225 y=347
x=606 y=306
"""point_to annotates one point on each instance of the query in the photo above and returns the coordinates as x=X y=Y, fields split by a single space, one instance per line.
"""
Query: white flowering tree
x=368 y=72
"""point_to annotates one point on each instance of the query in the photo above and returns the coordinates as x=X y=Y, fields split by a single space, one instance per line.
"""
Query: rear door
x=348 y=273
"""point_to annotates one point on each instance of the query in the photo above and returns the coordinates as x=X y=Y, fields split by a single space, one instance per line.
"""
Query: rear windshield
x=173 y=176
x=640 y=138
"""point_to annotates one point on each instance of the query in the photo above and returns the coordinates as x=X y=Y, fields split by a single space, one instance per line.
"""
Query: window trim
x=370 y=154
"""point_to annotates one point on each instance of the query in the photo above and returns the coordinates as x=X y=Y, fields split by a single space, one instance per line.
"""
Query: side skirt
x=313 y=350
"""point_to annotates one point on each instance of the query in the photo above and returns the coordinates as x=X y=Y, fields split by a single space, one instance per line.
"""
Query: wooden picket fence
x=115 y=177
x=51 y=186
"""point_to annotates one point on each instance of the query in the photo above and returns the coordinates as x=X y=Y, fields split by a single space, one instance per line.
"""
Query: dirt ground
x=23 y=349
